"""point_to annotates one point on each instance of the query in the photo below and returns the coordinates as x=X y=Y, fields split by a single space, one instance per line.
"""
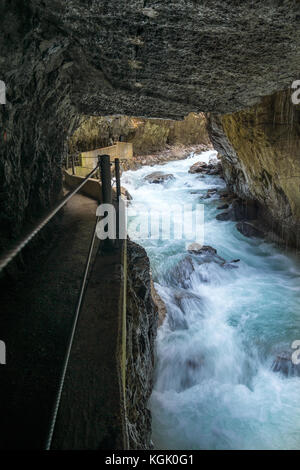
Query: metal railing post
x=118 y=186
x=118 y=180
x=106 y=179
x=106 y=192
x=73 y=165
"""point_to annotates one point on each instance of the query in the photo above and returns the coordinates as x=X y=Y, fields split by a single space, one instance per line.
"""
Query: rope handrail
x=6 y=258
x=71 y=339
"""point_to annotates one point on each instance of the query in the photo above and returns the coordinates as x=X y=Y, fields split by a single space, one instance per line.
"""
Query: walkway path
x=35 y=321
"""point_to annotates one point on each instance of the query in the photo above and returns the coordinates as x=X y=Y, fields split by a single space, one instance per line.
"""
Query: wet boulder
x=223 y=207
x=224 y=216
x=158 y=177
x=240 y=210
x=215 y=170
x=249 y=230
x=181 y=273
x=199 y=167
x=208 y=254
x=186 y=300
x=198 y=249
x=211 y=168
x=210 y=193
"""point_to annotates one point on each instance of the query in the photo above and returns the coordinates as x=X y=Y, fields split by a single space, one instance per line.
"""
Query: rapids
x=214 y=384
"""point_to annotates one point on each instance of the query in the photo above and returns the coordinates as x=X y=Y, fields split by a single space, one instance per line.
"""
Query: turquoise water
x=214 y=385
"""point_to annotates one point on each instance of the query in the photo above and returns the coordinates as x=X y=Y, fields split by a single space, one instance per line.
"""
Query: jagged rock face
x=260 y=150
x=142 y=321
x=139 y=58
x=146 y=135
x=165 y=59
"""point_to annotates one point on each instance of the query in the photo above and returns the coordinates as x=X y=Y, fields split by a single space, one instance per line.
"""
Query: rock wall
x=142 y=321
x=146 y=135
x=260 y=148
x=62 y=60
x=37 y=118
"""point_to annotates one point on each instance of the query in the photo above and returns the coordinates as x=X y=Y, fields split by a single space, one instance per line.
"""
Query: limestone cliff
x=260 y=148
x=147 y=135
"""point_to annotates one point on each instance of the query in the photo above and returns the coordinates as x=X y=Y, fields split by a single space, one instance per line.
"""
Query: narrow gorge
x=185 y=342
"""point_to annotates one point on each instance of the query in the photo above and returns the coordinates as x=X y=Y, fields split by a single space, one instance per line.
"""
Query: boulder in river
x=158 y=177
x=190 y=371
x=201 y=249
x=209 y=254
x=206 y=168
x=199 y=167
x=224 y=216
x=223 y=207
x=184 y=299
x=240 y=210
x=181 y=273
x=249 y=230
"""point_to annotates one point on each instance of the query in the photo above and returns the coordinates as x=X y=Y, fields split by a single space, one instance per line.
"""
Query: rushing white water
x=214 y=386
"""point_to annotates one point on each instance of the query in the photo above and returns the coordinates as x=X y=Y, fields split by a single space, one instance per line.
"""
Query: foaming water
x=214 y=385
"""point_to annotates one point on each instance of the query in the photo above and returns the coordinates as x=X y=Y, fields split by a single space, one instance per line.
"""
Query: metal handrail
x=20 y=244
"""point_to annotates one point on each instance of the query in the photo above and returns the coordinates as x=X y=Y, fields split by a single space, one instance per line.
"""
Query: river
x=214 y=384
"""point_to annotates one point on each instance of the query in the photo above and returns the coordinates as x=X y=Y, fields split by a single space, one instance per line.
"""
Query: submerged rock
x=224 y=216
x=249 y=230
x=192 y=368
x=158 y=177
x=209 y=254
x=224 y=206
x=181 y=273
x=240 y=210
x=185 y=298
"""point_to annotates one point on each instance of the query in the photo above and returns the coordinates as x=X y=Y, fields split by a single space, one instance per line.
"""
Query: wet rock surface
x=159 y=303
x=158 y=177
x=250 y=230
x=142 y=322
x=259 y=148
x=203 y=168
x=197 y=255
